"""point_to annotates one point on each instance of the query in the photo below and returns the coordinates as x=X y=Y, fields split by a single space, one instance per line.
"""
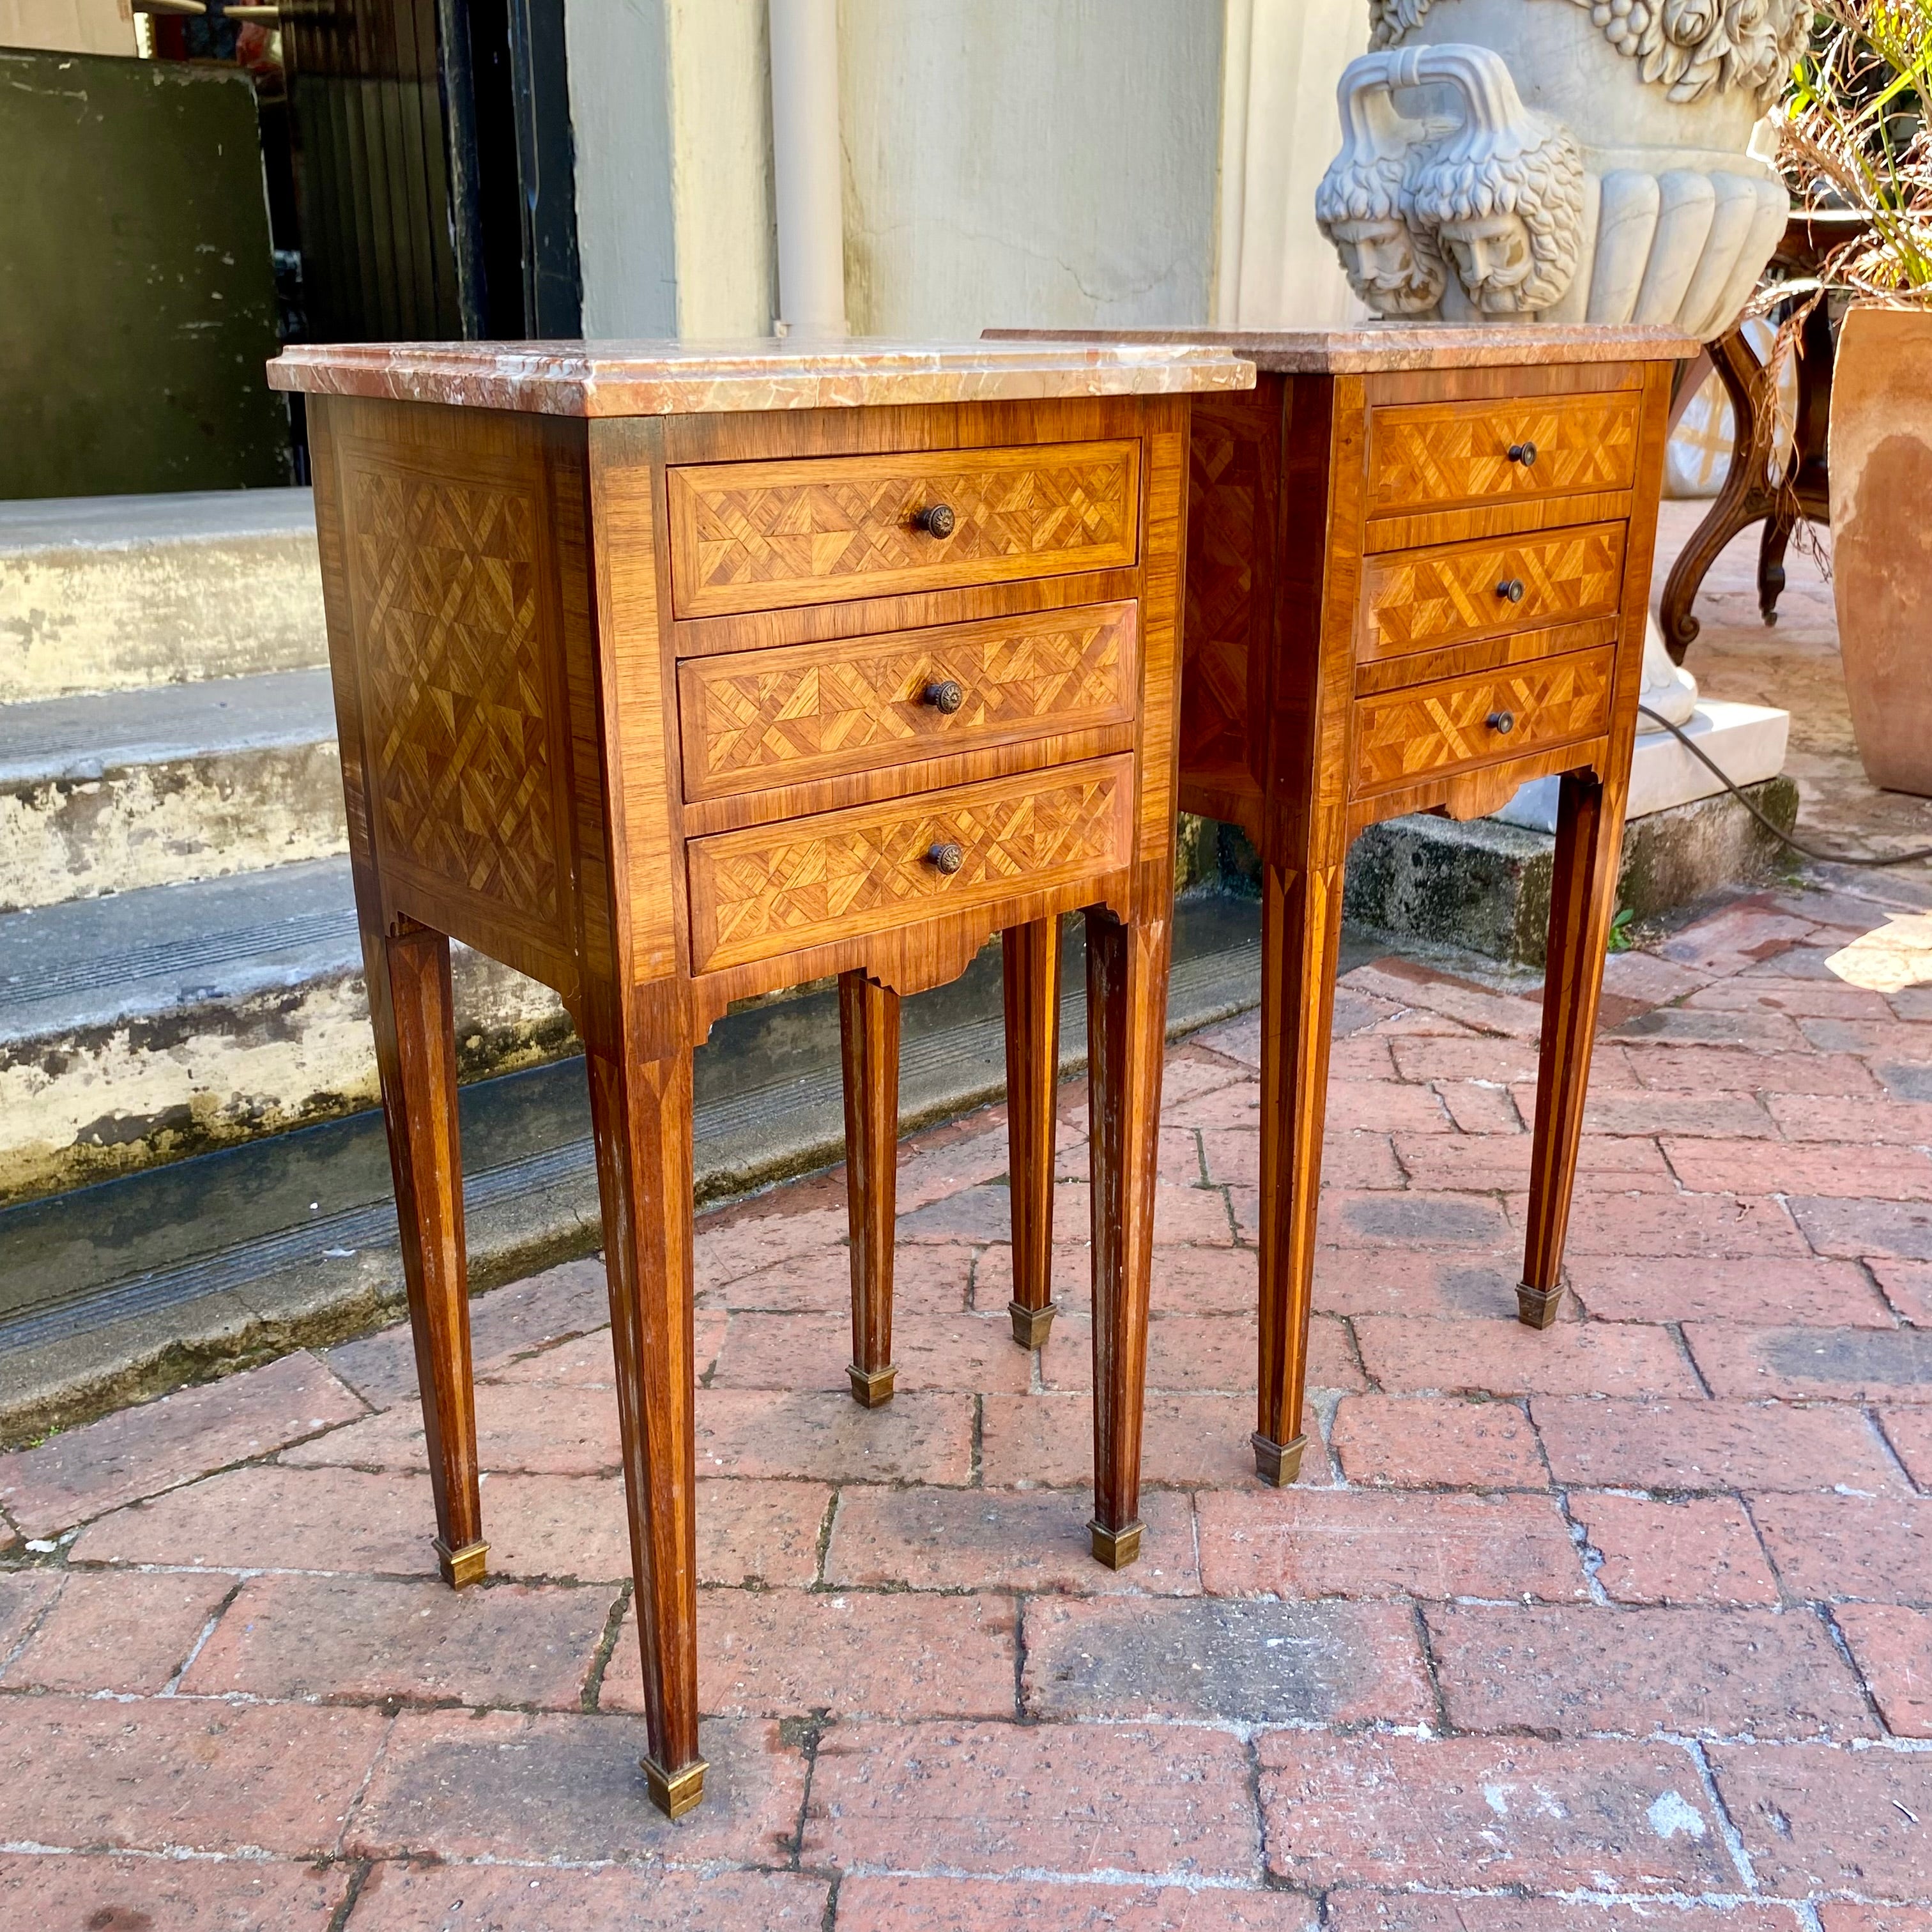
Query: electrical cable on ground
x=1710 y=764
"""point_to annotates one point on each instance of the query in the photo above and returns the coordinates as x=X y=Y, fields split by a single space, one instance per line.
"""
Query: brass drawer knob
x=1510 y=590
x=946 y=696
x=1524 y=453
x=1501 y=722
x=937 y=520
x=948 y=857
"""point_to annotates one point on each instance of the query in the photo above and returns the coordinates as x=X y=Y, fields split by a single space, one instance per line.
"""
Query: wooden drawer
x=1429 y=455
x=1420 y=600
x=758 y=718
x=782 y=888
x=1429 y=728
x=758 y=536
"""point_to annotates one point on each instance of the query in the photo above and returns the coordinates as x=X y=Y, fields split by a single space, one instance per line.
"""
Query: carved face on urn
x=1385 y=267
x=1492 y=257
x=1508 y=212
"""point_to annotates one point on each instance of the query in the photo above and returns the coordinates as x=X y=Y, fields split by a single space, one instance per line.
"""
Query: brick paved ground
x=1627 y=1624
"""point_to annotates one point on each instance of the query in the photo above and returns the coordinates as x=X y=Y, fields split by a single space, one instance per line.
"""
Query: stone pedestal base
x=1485 y=886
x=1747 y=741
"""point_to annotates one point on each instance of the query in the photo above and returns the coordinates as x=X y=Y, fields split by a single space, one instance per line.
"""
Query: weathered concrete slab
x=109 y=593
x=1485 y=885
x=120 y=789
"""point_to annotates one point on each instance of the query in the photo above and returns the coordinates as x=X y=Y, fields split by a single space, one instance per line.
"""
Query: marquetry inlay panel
x=779 y=890
x=757 y=536
x=1408 y=734
x=1432 y=455
x=755 y=718
x=1224 y=538
x=463 y=773
x=1416 y=600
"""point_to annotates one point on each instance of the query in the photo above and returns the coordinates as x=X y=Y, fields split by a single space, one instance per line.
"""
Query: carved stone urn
x=1578 y=160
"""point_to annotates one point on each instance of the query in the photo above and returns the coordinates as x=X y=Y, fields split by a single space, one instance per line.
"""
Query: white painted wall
x=1048 y=163
x=1280 y=128
x=1044 y=163
x=620 y=123
x=671 y=111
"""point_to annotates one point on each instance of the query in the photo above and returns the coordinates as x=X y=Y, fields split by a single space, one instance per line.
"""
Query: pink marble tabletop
x=631 y=379
x=1369 y=348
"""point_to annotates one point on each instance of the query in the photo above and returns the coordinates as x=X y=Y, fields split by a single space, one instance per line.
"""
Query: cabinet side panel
x=323 y=414
x=450 y=548
x=1234 y=471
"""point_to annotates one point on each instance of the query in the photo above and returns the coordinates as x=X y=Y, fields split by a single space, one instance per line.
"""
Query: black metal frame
x=434 y=168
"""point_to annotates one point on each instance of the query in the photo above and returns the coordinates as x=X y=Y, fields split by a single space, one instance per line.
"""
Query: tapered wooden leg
x=868 y=1041
x=416 y=1054
x=1301 y=935
x=1126 y=1036
x=1030 y=963
x=1583 y=902
x=640 y=1112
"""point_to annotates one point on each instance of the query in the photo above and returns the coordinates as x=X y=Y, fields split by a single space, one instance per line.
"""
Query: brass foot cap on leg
x=1116 y=1548
x=871 y=1388
x=1277 y=1463
x=675 y=1793
x=1536 y=1307
x=1032 y=1326
x=460 y=1567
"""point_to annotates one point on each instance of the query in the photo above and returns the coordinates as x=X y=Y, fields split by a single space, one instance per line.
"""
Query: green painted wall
x=137 y=298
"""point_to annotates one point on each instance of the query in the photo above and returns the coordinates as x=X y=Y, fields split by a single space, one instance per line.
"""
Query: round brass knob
x=1501 y=721
x=937 y=520
x=948 y=858
x=946 y=696
x=1510 y=589
x=1524 y=453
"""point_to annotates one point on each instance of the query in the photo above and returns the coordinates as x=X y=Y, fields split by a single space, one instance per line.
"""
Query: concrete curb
x=325 y=1280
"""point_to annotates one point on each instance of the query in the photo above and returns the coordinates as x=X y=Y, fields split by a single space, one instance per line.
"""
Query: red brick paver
x=141 y=1451
x=1395 y=1810
x=1699 y=1551
x=1624 y=1624
x=182 y=1895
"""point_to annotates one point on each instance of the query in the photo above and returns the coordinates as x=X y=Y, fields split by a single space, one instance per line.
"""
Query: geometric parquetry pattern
x=853 y=519
x=775 y=716
x=1224 y=494
x=1418 y=599
x=1460 y=453
x=463 y=778
x=1406 y=735
x=774 y=890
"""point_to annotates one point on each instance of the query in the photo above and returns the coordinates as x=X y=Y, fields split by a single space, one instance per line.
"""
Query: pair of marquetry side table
x=670 y=677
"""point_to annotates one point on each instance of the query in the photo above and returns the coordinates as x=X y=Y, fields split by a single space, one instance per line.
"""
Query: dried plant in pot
x=1857 y=137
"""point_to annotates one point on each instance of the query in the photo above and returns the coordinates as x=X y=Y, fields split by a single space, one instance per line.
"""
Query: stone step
x=112 y=593
x=124 y=789
x=146 y=1025
x=114 y=1291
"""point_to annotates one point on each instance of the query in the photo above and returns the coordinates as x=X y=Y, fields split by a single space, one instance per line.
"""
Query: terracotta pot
x=1880 y=459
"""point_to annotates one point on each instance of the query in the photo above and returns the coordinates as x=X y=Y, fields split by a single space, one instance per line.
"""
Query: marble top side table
x=1419 y=562
x=670 y=676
